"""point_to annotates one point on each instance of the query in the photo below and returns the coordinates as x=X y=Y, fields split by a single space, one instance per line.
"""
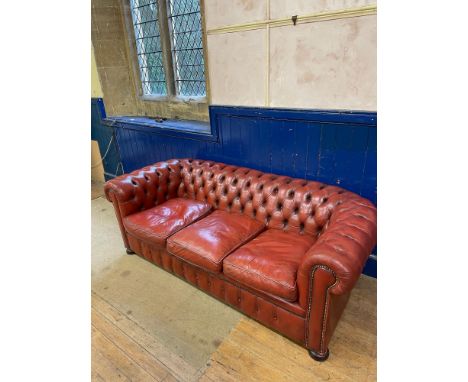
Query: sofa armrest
x=144 y=188
x=343 y=248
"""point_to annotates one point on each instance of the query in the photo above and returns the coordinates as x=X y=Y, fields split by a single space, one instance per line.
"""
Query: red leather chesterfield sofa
x=286 y=252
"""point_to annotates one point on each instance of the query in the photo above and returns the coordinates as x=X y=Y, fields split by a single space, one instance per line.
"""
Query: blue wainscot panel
x=334 y=147
x=106 y=139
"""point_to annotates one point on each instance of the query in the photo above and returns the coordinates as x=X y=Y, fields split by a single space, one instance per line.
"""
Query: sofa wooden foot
x=317 y=356
x=130 y=252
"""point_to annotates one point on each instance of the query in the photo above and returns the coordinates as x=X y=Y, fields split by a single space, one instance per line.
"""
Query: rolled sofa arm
x=331 y=268
x=343 y=248
x=143 y=189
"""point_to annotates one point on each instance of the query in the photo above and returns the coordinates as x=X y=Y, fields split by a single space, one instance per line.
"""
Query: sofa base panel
x=130 y=252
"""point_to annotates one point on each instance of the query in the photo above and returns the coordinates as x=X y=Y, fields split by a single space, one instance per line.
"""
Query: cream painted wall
x=288 y=8
x=96 y=90
x=336 y=72
x=237 y=68
x=220 y=13
x=324 y=65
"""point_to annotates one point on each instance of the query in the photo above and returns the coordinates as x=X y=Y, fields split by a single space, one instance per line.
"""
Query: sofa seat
x=156 y=224
x=207 y=242
x=269 y=263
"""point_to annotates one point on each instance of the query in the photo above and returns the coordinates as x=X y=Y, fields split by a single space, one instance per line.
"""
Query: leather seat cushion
x=207 y=242
x=158 y=223
x=269 y=263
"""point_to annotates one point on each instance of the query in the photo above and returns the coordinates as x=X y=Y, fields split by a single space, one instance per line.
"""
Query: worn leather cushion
x=158 y=223
x=269 y=263
x=207 y=242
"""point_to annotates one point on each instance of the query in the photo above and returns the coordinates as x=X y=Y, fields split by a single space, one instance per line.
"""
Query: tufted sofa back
x=280 y=202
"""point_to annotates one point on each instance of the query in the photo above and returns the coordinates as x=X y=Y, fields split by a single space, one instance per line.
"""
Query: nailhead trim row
x=325 y=309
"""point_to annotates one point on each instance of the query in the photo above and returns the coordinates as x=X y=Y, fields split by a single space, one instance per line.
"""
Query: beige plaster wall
x=325 y=65
x=96 y=90
x=288 y=8
x=220 y=13
x=336 y=72
x=237 y=68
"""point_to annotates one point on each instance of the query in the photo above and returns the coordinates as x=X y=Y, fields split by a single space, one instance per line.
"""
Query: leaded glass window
x=187 y=47
x=148 y=46
x=169 y=47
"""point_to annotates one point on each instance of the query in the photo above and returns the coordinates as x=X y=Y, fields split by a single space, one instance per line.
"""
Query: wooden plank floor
x=122 y=350
x=97 y=189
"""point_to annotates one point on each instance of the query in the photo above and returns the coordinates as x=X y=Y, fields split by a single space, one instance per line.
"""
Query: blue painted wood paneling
x=103 y=134
x=334 y=147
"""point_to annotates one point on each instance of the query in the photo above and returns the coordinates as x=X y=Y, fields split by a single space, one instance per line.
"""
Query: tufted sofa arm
x=144 y=188
x=343 y=248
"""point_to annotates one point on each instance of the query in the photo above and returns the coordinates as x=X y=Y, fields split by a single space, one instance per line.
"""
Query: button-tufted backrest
x=279 y=201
